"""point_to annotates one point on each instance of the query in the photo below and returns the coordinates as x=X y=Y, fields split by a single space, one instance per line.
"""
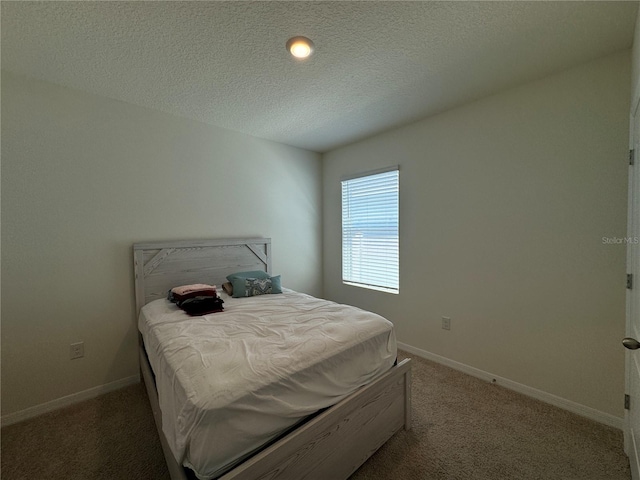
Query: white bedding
x=231 y=381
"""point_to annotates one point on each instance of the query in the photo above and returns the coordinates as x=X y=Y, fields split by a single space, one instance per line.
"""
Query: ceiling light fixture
x=300 y=47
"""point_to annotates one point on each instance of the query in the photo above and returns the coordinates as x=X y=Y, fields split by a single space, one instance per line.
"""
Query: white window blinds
x=370 y=241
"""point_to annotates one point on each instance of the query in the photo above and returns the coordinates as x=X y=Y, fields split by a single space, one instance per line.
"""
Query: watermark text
x=620 y=240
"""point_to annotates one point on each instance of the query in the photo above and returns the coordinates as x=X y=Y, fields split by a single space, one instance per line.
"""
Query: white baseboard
x=588 y=412
x=58 y=403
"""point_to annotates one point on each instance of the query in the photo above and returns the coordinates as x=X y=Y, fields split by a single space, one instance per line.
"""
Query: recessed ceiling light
x=300 y=47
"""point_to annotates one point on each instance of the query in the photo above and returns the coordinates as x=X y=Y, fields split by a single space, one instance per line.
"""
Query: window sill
x=373 y=287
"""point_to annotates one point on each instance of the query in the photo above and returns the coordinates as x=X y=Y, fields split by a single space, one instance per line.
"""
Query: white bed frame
x=331 y=445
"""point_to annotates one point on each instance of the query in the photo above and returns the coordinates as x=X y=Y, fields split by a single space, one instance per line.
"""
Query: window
x=370 y=241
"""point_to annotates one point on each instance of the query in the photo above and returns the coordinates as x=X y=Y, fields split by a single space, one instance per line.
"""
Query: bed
x=330 y=442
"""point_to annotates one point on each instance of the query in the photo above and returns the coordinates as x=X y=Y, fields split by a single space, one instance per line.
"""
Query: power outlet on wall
x=76 y=350
x=446 y=323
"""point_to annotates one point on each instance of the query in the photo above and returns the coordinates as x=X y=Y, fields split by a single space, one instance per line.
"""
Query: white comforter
x=231 y=381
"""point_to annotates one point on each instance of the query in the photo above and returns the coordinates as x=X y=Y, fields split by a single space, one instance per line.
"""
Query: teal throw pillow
x=257 y=286
x=252 y=274
x=276 y=285
x=249 y=287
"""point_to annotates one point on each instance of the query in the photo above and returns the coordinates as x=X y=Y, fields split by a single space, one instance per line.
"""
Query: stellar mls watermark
x=620 y=240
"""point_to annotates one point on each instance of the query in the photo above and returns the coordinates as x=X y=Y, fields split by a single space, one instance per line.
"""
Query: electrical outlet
x=76 y=350
x=446 y=323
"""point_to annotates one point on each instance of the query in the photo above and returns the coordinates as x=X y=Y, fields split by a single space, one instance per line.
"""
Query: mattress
x=230 y=382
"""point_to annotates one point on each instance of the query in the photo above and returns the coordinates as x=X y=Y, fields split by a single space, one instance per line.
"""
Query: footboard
x=336 y=442
x=331 y=445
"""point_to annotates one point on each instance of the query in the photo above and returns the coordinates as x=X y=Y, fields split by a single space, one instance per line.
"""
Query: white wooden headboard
x=159 y=266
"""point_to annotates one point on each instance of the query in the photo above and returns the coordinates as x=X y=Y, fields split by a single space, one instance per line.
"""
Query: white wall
x=83 y=178
x=635 y=62
x=503 y=206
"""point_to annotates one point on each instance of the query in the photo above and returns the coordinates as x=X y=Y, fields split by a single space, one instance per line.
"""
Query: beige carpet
x=463 y=428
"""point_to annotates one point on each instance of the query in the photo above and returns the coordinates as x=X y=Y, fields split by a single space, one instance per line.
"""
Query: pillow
x=276 y=284
x=228 y=288
x=242 y=288
x=257 y=286
x=253 y=274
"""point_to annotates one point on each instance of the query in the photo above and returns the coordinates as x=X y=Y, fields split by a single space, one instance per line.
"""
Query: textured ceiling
x=376 y=65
